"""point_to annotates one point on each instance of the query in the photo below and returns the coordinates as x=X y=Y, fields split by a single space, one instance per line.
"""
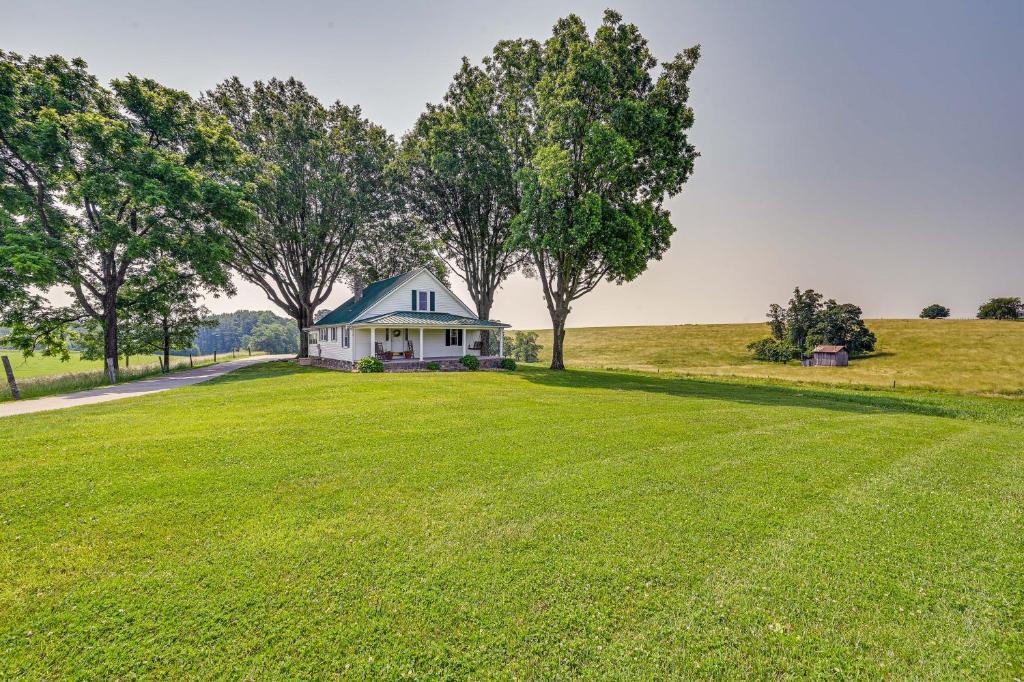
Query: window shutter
x=460 y=337
x=431 y=301
x=447 y=337
x=414 y=299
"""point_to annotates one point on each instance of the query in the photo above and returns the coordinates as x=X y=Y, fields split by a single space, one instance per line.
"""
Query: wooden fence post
x=15 y=393
x=190 y=360
x=215 y=356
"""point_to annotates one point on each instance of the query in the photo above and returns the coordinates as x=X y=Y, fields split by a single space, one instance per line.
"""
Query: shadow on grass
x=773 y=395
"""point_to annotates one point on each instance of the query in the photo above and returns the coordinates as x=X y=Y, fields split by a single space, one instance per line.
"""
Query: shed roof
x=829 y=349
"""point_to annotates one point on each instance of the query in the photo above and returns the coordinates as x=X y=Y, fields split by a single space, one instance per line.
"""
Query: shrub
x=507 y=363
x=470 y=362
x=935 y=312
x=772 y=350
x=370 y=365
x=433 y=366
x=523 y=347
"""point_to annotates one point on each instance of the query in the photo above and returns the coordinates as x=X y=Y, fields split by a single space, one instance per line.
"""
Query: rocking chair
x=378 y=351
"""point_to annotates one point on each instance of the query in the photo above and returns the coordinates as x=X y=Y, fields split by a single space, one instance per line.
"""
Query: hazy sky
x=872 y=151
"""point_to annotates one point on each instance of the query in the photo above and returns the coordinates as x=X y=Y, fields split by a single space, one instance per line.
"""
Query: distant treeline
x=256 y=329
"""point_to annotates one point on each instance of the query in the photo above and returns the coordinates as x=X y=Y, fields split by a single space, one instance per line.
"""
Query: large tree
x=319 y=180
x=460 y=165
x=609 y=145
x=1005 y=308
x=94 y=182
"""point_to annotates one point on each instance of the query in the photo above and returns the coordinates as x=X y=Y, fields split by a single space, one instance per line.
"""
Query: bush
x=370 y=365
x=772 y=350
x=507 y=363
x=470 y=362
x=433 y=366
x=934 y=312
x=523 y=347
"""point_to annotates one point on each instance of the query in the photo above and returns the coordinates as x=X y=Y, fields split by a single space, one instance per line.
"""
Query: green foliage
x=370 y=365
x=935 y=312
x=433 y=366
x=319 y=181
x=459 y=163
x=603 y=133
x=771 y=349
x=274 y=338
x=508 y=363
x=523 y=346
x=808 y=321
x=1006 y=308
x=99 y=189
x=231 y=331
x=470 y=362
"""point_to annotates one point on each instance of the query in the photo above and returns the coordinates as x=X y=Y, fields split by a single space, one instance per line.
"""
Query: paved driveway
x=132 y=389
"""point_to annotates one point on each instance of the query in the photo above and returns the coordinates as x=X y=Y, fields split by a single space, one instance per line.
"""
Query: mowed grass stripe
x=493 y=525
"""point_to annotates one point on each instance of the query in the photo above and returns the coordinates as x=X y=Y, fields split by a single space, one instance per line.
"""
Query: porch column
x=501 y=342
x=465 y=338
x=421 y=344
x=373 y=342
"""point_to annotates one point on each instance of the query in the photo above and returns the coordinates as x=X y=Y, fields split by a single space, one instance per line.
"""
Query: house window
x=346 y=338
x=424 y=302
x=312 y=339
x=453 y=337
x=334 y=333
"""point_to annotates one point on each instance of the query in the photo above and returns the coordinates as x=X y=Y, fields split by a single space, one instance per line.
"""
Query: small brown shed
x=831 y=356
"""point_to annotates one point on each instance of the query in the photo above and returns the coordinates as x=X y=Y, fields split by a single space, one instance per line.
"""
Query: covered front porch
x=426 y=337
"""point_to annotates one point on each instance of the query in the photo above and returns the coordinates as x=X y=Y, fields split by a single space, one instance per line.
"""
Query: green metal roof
x=351 y=309
x=408 y=318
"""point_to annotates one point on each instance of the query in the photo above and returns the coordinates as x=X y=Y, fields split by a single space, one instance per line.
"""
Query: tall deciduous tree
x=1004 y=308
x=609 y=145
x=460 y=163
x=318 y=181
x=95 y=182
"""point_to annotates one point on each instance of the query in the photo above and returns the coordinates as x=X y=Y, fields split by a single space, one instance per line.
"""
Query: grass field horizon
x=967 y=356
x=586 y=523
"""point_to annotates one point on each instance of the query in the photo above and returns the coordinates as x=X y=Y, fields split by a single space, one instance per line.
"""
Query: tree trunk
x=304 y=320
x=558 y=338
x=110 y=349
x=167 y=346
x=483 y=311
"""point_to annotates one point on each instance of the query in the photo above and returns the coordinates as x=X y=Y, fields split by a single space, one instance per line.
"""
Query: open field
x=982 y=356
x=41 y=376
x=42 y=366
x=515 y=525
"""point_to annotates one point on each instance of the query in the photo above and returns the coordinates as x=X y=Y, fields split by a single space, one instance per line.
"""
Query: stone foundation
x=446 y=364
x=328 y=363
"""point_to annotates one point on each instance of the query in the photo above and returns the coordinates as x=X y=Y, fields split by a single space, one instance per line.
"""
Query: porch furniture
x=476 y=345
x=378 y=350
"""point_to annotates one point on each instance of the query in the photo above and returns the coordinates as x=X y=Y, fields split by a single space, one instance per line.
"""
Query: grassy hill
x=285 y=522
x=959 y=355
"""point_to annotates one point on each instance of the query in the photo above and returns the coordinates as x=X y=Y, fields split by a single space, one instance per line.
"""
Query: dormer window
x=422 y=300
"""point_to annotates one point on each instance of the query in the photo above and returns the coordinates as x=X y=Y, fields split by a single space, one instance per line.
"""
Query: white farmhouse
x=406 y=321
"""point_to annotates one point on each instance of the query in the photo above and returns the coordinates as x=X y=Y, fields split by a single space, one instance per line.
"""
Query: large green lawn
x=980 y=356
x=287 y=522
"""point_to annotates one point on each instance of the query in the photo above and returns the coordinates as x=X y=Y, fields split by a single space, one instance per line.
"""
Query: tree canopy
x=460 y=171
x=607 y=143
x=96 y=184
x=1005 y=308
x=319 y=180
x=934 y=312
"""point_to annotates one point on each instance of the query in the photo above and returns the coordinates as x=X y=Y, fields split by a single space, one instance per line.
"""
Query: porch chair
x=378 y=350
